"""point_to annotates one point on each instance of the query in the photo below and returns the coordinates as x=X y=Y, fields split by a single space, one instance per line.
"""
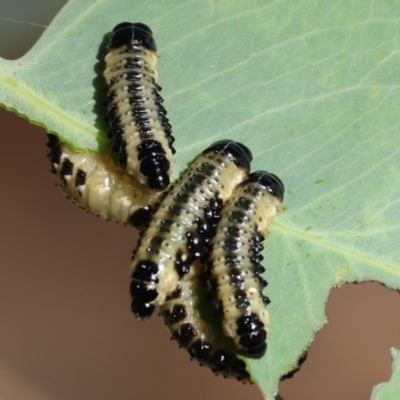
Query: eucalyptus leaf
x=312 y=88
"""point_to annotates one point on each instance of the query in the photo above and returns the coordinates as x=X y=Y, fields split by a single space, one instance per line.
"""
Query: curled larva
x=195 y=334
x=96 y=184
x=180 y=228
x=234 y=269
x=139 y=128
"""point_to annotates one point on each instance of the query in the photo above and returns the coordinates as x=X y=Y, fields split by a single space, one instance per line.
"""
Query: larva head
x=127 y=33
x=269 y=181
x=238 y=152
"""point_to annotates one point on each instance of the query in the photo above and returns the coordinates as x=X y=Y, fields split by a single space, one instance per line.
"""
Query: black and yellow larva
x=100 y=186
x=181 y=227
x=139 y=128
x=234 y=269
x=195 y=334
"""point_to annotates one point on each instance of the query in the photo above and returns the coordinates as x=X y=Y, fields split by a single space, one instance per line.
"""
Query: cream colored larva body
x=195 y=334
x=96 y=184
x=140 y=131
x=234 y=262
x=182 y=226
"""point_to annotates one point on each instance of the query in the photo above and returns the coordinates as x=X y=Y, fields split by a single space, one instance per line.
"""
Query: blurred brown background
x=66 y=328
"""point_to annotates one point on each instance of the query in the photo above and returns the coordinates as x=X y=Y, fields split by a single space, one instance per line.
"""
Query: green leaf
x=390 y=389
x=312 y=88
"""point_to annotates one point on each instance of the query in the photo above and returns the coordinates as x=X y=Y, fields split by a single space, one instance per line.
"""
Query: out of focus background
x=66 y=331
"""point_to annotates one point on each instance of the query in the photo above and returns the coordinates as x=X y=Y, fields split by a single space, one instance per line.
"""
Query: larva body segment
x=140 y=131
x=180 y=230
x=96 y=184
x=234 y=267
x=196 y=335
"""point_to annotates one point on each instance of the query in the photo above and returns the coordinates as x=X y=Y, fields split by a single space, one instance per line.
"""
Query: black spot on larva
x=146 y=271
x=262 y=281
x=252 y=335
x=165 y=226
x=255 y=343
x=200 y=350
x=193 y=245
x=238 y=368
x=231 y=260
x=66 y=168
x=256 y=258
x=238 y=152
x=184 y=334
x=237 y=216
x=189 y=187
x=181 y=198
x=143 y=291
x=232 y=245
x=54 y=151
x=198 y=179
x=241 y=299
x=244 y=203
x=248 y=323
x=80 y=178
x=142 y=310
x=159 y=182
x=220 y=361
x=175 y=210
x=177 y=314
x=182 y=265
x=266 y=300
x=236 y=278
x=141 y=218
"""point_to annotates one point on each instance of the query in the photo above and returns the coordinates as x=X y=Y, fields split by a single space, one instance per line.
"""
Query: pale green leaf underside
x=312 y=88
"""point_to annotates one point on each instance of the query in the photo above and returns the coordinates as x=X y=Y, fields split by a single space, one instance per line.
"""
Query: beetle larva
x=234 y=262
x=180 y=227
x=139 y=128
x=96 y=184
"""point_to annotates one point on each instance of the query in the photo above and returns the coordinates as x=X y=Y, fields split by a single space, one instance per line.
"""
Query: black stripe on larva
x=185 y=220
x=96 y=184
x=139 y=128
x=234 y=270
